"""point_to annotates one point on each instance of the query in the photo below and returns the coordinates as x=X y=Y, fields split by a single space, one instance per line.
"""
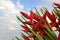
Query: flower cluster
x=38 y=27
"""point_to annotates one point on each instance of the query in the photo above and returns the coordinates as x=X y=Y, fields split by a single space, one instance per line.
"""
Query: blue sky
x=30 y=4
x=9 y=27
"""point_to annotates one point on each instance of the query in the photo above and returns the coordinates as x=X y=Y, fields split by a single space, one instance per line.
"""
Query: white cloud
x=19 y=6
x=8 y=12
x=54 y=1
x=12 y=28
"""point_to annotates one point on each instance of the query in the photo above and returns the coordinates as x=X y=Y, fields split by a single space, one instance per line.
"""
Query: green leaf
x=37 y=11
x=35 y=38
x=19 y=19
x=56 y=12
x=51 y=32
x=47 y=37
x=17 y=38
x=13 y=39
x=48 y=34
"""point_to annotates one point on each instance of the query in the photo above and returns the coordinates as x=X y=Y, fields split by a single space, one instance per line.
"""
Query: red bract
x=35 y=27
x=39 y=25
x=31 y=17
x=25 y=29
x=53 y=23
x=26 y=38
x=58 y=5
x=42 y=33
x=25 y=15
x=31 y=36
x=42 y=26
x=29 y=22
x=36 y=17
x=50 y=16
x=58 y=22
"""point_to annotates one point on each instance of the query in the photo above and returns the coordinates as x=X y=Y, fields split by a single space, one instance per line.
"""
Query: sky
x=9 y=25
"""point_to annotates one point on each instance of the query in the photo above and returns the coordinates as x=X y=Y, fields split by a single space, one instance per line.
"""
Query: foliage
x=38 y=27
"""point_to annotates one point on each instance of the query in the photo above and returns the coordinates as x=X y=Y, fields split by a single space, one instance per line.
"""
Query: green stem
x=49 y=28
x=48 y=34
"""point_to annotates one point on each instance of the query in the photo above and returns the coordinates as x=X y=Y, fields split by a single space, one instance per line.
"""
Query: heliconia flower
x=50 y=16
x=42 y=26
x=59 y=36
x=58 y=5
x=29 y=22
x=53 y=23
x=36 y=26
x=25 y=15
x=36 y=17
x=26 y=38
x=42 y=33
x=25 y=29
